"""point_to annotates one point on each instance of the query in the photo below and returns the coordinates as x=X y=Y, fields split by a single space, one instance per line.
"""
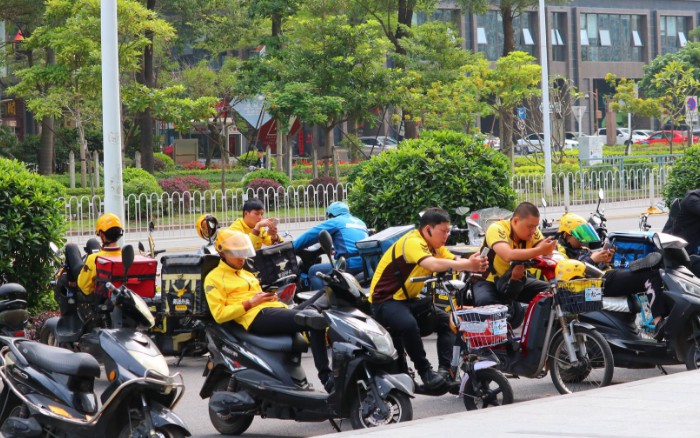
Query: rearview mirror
x=601 y=194
x=462 y=210
x=341 y=264
x=54 y=249
x=544 y=203
x=326 y=241
x=127 y=259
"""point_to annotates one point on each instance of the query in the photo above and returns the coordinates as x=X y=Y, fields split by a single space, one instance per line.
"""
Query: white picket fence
x=298 y=207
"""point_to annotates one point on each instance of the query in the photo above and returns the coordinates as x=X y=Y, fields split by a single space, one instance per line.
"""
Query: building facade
x=586 y=39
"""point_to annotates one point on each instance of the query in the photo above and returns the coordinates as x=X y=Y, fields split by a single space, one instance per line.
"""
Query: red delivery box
x=141 y=276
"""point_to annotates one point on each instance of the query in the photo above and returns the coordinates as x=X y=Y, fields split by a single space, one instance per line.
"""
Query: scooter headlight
x=689 y=287
x=383 y=343
x=155 y=363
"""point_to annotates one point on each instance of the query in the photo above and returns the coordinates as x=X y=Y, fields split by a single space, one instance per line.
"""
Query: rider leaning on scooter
x=515 y=239
x=109 y=228
x=345 y=229
x=418 y=253
x=642 y=276
x=235 y=295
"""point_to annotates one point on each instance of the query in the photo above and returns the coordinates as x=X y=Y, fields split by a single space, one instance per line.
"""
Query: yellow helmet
x=569 y=222
x=206 y=226
x=570 y=269
x=234 y=243
x=106 y=222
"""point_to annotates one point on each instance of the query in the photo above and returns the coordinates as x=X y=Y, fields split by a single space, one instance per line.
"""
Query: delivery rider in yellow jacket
x=262 y=231
x=109 y=228
x=235 y=295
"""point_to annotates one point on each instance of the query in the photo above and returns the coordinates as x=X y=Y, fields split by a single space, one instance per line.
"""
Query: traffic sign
x=691 y=103
x=522 y=113
x=520 y=124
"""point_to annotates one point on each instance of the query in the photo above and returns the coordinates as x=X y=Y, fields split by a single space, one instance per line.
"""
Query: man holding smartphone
x=261 y=230
x=513 y=240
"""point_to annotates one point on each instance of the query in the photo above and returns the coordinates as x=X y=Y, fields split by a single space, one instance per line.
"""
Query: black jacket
x=686 y=223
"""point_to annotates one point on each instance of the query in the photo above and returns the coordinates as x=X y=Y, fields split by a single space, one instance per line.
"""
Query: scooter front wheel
x=587 y=371
x=489 y=388
x=692 y=357
x=364 y=412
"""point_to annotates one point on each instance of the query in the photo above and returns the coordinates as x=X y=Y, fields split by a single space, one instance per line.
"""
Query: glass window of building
x=523 y=35
x=557 y=42
x=611 y=37
x=452 y=17
x=672 y=31
x=489 y=35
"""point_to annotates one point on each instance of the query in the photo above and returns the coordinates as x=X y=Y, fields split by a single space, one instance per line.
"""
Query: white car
x=621 y=135
x=641 y=134
x=378 y=142
x=534 y=143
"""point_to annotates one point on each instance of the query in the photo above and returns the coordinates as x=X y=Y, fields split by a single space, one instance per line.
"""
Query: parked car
x=492 y=142
x=664 y=136
x=641 y=133
x=534 y=143
x=378 y=142
x=621 y=136
x=570 y=135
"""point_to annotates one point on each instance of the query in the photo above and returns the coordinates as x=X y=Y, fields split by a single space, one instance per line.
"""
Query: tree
x=514 y=79
x=626 y=98
x=73 y=84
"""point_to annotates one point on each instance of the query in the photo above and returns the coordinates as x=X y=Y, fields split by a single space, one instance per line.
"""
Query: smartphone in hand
x=485 y=251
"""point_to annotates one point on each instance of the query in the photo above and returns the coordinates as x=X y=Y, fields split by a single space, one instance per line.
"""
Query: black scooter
x=250 y=375
x=48 y=391
x=631 y=345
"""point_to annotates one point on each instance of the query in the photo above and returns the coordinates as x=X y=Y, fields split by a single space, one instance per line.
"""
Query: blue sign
x=522 y=112
x=692 y=103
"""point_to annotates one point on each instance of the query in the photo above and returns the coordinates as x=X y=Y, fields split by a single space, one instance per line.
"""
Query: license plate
x=181 y=307
x=499 y=327
x=594 y=294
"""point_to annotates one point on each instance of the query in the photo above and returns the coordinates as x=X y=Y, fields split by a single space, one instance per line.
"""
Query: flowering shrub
x=33 y=330
x=173 y=185
x=193 y=165
x=263 y=184
x=195 y=182
x=320 y=185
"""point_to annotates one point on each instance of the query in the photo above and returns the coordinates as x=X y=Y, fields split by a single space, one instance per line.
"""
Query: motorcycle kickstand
x=335 y=425
x=662 y=369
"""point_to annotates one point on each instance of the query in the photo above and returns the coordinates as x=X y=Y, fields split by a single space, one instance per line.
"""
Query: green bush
x=162 y=162
x=685 y=175
x=441 y=169
x=138 y=182
x=31 y=217
x=280 y=177
x=250 y=158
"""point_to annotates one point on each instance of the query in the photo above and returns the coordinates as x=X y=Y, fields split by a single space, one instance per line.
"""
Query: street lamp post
x=547 y=131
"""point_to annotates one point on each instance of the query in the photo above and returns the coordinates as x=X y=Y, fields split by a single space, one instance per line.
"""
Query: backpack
x=630 y=246
x=673 y=212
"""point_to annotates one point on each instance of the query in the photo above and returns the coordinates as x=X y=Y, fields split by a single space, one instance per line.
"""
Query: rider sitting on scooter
x=517 y=239
x=642 y=276
x=418 y=253
x=261 y=231
x=345 y=229
x=109 y=228
x=234 y=294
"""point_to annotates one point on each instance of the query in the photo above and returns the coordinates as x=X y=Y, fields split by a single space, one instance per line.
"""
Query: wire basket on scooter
x=581 y=296
x=483 y=326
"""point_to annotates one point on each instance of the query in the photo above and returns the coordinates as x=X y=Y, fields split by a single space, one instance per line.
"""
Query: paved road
x=194 y=410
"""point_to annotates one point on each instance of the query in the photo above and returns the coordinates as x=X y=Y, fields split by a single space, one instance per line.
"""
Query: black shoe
x=431 y=380
x=660 y=329
x=651 y=260
x=311 y=319
x=445 y=373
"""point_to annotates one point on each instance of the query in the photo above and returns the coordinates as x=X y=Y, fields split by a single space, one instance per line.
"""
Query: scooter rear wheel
x=364 y=414
x=492 y=389
x=592 y=370
x=692 y=357
x=232 y=425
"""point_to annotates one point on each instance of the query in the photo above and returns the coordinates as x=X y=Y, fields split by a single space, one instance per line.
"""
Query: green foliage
x=139 y=185
x=685 y=175
x=162 y=162
x=30 y=219
x=280 y=177
x=441 y=169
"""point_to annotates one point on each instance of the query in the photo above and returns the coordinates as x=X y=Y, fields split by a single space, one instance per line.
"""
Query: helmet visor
x=585 y=233
x=238 y=246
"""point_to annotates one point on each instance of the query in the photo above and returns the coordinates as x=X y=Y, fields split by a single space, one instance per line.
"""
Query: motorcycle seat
x=294 y=343
x=60 y=360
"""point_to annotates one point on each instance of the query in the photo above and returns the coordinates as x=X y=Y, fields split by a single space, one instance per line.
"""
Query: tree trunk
x=279 y=146
x=47 y=162
x=508 y=31
x=506 y=129
x=328 y=151
x=405 y=18
x=145 y=118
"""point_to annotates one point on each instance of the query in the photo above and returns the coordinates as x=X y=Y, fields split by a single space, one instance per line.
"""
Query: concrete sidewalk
x=655 y=407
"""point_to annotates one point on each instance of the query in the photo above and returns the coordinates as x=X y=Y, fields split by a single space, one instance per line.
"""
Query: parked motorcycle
x=554 y=338
x=250 y=375
x=48 y=391
x=626 y=323
x=480 y=384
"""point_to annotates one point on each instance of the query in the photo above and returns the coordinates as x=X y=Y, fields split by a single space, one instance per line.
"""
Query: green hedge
x=441 y=169
x=684 y=176
x=31 y=218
